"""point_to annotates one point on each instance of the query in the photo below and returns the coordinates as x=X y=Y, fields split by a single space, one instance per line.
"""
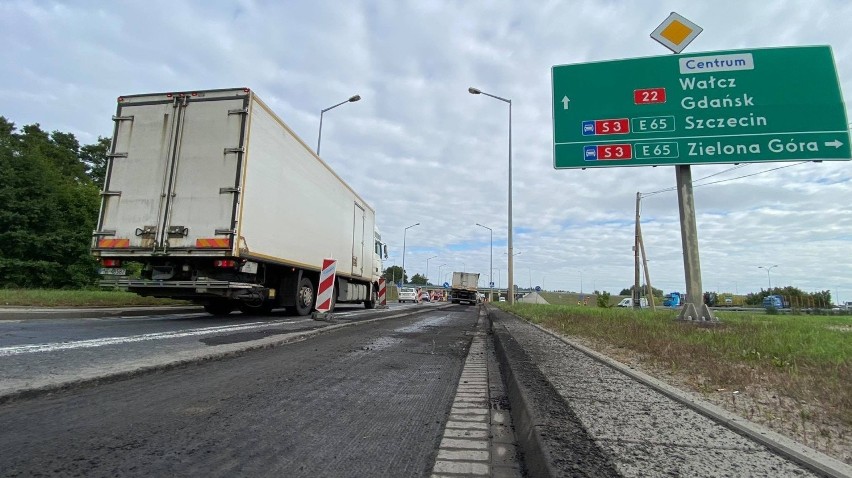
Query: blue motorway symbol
x=491 y=284
x=588 y=128
x=538 y=288
x=446 y=285
x=590 y=153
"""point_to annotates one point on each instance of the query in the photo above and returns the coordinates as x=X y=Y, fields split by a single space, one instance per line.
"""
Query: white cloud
x=420 y=148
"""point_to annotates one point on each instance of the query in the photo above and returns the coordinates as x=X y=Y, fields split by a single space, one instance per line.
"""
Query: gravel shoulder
x=756 y=404
x=644 y=432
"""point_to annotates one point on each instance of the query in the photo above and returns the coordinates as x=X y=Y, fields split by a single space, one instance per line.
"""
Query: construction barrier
x=383 y=298
x=326 y=288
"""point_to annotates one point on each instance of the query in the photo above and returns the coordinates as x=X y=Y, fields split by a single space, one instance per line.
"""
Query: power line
x=753 y=174
x=673 y=188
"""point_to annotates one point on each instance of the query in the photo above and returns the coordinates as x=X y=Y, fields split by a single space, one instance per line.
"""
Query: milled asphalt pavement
x=574 y=410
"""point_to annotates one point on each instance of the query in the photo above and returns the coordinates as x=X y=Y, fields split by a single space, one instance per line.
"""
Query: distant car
x=424 y=296
x=729 y=301
x=628 y=302
x=407 y=294
x=502 y=299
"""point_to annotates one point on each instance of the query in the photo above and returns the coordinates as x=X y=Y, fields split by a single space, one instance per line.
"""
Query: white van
x=628 y=302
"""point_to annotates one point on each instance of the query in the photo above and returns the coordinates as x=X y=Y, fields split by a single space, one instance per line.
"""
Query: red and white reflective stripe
x=113 y=243
x=326 y=285
x=383 y=300
x=213 y=243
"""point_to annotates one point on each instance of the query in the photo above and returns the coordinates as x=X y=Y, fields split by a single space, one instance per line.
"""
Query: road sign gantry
x=771 y=104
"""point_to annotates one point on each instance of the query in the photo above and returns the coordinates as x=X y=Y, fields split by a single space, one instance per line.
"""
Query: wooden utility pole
x=650 y=290
x=636 y=297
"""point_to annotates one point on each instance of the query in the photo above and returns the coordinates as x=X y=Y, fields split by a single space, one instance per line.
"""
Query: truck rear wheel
x=371 y=303
x=219 y=307
x=305 y=295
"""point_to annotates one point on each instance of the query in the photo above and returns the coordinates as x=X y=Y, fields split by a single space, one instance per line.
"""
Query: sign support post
x=694 y=307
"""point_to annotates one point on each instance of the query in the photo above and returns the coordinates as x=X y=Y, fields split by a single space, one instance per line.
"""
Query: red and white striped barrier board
x=383 y=299
x=326 y=285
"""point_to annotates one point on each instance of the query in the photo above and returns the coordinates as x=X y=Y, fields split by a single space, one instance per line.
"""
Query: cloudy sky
x=419 y=148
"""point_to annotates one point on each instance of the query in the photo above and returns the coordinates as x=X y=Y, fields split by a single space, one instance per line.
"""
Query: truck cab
x=773 y=302
x=673 y=299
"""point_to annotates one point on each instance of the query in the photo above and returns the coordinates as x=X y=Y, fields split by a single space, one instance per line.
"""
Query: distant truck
x=225 y=206
x=773 y=302
x=673 y=299
x=465 y=288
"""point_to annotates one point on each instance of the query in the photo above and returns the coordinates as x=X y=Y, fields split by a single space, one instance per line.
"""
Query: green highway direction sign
x=770 y=104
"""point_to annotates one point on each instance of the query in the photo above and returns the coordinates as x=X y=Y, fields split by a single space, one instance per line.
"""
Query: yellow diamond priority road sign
x=676 y=32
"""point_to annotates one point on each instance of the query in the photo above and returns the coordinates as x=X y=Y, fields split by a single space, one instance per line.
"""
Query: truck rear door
x=358 y=231
x=173 y=182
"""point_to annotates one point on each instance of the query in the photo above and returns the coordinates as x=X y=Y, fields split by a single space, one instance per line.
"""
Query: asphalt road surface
x=50 y=352
x=369 y=400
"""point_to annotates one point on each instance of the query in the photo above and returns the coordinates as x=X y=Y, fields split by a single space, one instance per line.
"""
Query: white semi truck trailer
x=225 y=206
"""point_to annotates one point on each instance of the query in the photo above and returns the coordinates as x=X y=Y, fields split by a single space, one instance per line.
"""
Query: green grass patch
x=805 y=357
x=571 y=298
x=77 y=298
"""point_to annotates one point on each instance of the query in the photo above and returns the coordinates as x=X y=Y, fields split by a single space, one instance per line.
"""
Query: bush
x=603 y=300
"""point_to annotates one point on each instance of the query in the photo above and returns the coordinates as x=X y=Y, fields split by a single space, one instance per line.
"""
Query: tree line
x=49 y=200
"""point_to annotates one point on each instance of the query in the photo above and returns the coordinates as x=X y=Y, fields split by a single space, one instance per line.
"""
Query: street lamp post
x=768 y=277
x=439 y=272
x=510 y=286
x=427 y=268
x=404 y=232
x=350 y=100
x=475 y=91
x=490 y=263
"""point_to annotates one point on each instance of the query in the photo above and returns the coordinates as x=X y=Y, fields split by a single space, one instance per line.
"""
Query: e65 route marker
x=736 y=106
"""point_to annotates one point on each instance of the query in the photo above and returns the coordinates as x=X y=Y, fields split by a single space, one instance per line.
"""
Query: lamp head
x=473 y=91
x=355 y=98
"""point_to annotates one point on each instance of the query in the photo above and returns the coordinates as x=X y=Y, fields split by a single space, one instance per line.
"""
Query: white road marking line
x=82 y=344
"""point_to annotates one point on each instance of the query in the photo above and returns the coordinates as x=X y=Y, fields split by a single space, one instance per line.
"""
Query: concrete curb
x=553 y=440
x=198 y=357
x=32 y=313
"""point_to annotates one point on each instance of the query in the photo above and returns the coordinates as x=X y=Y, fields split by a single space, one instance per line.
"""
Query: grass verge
x=78 y=298
x=795 y=369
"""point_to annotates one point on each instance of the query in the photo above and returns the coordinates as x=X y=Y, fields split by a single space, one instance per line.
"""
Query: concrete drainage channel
x=579 y=413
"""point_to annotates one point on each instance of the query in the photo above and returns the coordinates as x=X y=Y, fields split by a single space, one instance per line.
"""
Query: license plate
x=113 y=272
